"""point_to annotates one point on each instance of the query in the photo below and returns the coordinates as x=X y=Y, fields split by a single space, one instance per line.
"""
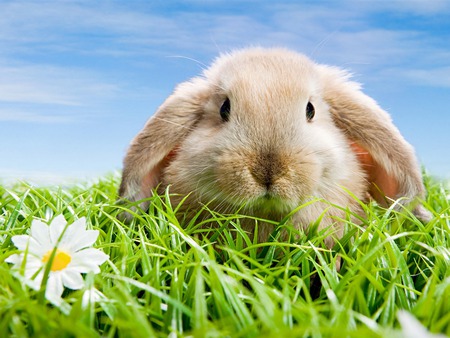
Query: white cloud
x=35 y=177
x=43 y=84
x=57 y=25
x=10 y=115
x=329 y=33
x=324 y=28
x=437 y=77
x=45 y=178
x=417 y=7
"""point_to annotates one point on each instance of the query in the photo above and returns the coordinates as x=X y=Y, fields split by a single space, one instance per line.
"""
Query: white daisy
x=73 y=255
x=412 y=328
x=91 y=296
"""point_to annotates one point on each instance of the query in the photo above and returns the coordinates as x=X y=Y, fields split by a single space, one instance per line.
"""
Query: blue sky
x=79 y=79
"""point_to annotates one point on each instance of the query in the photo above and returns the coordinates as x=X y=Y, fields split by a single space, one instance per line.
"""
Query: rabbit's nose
x=263 y=176
x=266 y=169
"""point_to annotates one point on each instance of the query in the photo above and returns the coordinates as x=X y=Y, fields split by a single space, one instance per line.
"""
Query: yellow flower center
x=60 y=261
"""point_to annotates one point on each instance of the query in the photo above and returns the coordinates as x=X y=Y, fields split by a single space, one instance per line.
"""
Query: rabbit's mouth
x=268 y=204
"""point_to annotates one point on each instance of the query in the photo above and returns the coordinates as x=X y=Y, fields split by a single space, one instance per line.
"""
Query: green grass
x=164 y=278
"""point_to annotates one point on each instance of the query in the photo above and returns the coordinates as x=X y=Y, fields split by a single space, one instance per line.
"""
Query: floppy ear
x=151 y=150
x=389 y=161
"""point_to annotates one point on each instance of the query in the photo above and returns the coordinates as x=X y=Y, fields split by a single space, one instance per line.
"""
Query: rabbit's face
x=265 y=139
x=267 y=129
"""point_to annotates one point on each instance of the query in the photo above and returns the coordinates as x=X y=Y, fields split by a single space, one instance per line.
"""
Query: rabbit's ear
x=154 y=146
x=389 y=161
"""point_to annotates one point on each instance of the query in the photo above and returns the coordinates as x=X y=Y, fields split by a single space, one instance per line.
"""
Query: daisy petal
x=34 y=272
x=56 y=228
x=72 y=279
x=80 y=224
x=73 y=231
x=35 y=283
x=91 y=296
x=85 y=239
x=85 y=267
x=14 y=259
x=88 y=260
x=24 y=241
x=20 y=241
x=33 y=263
x=92 y=255
x=57 y=301
x=39 y=231
x=54 y=287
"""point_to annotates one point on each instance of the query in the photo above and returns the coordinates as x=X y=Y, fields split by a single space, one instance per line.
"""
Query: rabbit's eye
x=310 y=111
x=225 y=110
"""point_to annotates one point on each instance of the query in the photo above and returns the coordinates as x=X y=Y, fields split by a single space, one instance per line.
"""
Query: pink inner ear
x=153 y=177
x=382 y=184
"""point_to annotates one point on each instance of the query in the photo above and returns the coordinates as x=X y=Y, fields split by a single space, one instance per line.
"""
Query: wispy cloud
x=416 y=7
x=44 y=84
x=15 y=115
x=336 y=31
x=436 y=77
x=80 y=31
x=43 y=178
x=41 y=93
x=61 y=26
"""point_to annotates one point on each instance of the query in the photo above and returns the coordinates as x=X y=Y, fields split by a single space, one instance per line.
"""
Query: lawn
x=165 y=278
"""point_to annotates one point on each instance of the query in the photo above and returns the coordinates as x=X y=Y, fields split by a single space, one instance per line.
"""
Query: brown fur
x=268 y=158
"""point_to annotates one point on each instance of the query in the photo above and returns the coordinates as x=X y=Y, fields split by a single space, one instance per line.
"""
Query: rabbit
x=266 y=130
